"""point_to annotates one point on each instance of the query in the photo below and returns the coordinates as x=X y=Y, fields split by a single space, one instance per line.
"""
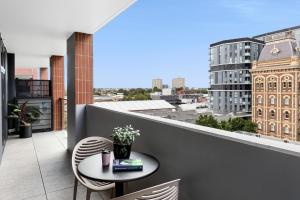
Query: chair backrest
x=88 y=147
x=165 y=191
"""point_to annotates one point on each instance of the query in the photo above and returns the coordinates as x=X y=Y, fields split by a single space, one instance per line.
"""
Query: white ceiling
x=36 y=29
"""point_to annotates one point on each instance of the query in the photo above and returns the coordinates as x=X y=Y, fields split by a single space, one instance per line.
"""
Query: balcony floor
x=39 y=168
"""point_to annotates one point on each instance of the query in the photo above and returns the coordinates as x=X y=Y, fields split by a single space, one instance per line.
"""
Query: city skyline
x=146 y=41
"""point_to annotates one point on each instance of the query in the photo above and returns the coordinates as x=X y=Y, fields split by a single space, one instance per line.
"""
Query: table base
x=119 y=189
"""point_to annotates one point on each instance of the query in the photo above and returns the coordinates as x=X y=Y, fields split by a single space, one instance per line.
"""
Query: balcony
x=213 y=164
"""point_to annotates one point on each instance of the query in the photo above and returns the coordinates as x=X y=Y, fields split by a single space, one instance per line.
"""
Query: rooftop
x=136 y=105
x=278 y=31
x=280 y=49
x=245 y=39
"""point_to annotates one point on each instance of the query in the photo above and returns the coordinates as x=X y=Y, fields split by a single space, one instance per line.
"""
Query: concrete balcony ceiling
x=36 y=29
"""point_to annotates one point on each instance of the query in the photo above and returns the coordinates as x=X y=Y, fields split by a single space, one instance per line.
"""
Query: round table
x=91 y=168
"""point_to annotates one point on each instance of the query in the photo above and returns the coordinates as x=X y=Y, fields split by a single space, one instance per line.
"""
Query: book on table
x=124 y=165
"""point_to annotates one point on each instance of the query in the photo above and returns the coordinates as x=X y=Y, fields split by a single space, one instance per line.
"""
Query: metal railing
x=33 y=88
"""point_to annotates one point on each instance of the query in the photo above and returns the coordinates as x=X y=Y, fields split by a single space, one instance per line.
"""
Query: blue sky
x=170 y=38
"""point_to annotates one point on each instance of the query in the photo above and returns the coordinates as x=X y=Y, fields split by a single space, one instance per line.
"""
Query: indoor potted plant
x=123 y=137
x=25 y=116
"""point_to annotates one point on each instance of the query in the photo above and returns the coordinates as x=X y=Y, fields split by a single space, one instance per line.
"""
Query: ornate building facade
x=276 y=90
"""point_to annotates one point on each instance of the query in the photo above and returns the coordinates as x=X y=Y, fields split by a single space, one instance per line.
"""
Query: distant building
x=152 y=105
x=165 y=86
x=279 y=34
x=178 y=83
x=158 y=83
x=230 y=79
x=167 y=91
x=275 y=90
x=172 y=99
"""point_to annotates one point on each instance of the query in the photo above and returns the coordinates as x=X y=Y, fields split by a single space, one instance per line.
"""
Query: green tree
x=235 y=124
x=207 y=120
x=225 y=125
x=203 y=91
x=156 y=89
x=250 y=126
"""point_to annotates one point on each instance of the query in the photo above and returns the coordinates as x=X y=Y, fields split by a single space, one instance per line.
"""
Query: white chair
x=85 y=148
x=165 y=191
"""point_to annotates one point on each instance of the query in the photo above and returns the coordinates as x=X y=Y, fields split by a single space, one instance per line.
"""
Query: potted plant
x=25 y=116
x=123 y=137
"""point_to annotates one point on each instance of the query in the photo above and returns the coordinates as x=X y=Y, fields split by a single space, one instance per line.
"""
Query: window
x=259 y=100
x=272 y=100
x=286 y=101
x=259 y=126
x=274 y=85
x=261 y=85
x=290 y=84
x=259 y=112
x=284 y=84
x=286 y=129
x=286 y=114
x=272 y=113
x=272 y=127
x=270 y=85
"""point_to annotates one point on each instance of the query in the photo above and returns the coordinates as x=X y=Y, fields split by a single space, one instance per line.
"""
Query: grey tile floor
x=39 y=168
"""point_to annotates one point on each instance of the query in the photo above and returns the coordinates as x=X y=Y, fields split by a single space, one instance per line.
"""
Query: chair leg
x=88 y=194
x=75 y=189
x=112 y=193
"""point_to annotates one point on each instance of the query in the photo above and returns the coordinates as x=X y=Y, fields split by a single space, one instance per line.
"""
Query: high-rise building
x=276 y=89
x=230 y=79
x=178 y=83
x=293 y=32
x=158 y=83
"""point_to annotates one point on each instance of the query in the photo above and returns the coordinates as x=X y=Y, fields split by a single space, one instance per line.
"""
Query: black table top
x=91 y=167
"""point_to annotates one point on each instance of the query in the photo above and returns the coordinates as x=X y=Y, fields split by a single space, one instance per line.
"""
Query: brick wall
x=58 y=90
x=44 y=73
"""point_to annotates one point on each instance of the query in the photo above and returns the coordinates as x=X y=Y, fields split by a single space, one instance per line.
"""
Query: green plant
x=235 y=124
x=124 y=135
x=207 y=120
x=25 y=114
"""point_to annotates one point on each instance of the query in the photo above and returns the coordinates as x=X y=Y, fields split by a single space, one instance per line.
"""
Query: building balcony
x=213 y=164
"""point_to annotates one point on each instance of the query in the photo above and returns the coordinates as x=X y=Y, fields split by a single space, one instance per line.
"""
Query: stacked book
x=125 y=165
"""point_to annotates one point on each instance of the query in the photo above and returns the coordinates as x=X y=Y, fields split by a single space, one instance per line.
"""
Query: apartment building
x=276 y=89
x=158 y=83
x=230 y=79
x=293 y=32
x=178 y=82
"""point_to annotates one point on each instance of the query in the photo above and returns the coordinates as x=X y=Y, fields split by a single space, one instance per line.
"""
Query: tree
x=203 y=91
x=235 y=124
x=207 y=120
x=250 y=126
x=225 y=125
x=156 y=89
